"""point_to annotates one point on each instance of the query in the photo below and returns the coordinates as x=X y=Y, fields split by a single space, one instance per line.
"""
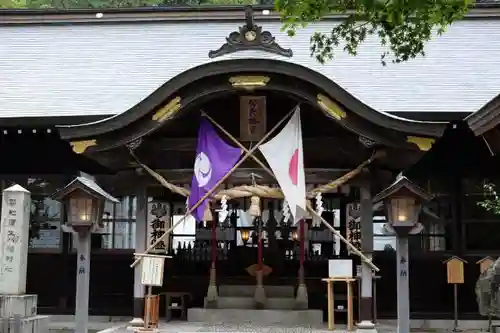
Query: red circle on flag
x=293 y=167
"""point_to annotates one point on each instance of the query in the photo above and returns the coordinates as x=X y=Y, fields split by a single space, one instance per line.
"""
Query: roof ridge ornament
x=250 y=37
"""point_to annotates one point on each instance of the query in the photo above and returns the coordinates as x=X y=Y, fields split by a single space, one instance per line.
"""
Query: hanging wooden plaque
x=158 y=221
x=252 y=118
x=455 y=270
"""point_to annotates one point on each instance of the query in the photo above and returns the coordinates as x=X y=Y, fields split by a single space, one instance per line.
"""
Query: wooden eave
x=208 y=80
x=486 y=118
x=171 y=13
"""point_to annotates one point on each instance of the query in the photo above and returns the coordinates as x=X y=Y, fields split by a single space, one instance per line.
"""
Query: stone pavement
x=243 y=327
x=185 y=327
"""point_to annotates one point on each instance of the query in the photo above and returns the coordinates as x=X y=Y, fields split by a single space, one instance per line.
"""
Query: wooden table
x=331 y=301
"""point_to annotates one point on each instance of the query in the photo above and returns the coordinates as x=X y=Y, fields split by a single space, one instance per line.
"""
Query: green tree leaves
x=403 y=26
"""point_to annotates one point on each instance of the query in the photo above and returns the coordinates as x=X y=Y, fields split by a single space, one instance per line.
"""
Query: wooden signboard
x=485 y=263
x=152 y=271
x=455 y=270
x=340 y=268
x=253 y=125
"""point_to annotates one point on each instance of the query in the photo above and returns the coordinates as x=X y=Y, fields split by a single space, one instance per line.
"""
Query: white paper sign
x=340 y=268
x=152 y=271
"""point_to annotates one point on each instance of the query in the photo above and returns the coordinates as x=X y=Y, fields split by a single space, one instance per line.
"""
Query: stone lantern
x=83 y=201
x=403 y=202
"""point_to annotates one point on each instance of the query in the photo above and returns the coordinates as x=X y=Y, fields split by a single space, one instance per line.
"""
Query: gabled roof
x=88 y=185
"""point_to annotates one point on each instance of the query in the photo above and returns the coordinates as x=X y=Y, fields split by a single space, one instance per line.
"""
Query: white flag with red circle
x=285 y=156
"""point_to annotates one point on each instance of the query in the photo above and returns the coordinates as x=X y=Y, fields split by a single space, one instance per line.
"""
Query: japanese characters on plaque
x=353 y=226
x=158 y=223
x=14 y=239
x=252 y=118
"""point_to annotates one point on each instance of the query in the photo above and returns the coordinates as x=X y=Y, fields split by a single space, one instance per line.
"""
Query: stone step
x=249 y=290
x=278 y=303
x=300 y=318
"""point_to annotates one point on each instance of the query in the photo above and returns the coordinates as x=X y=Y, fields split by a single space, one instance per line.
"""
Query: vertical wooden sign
x=353 y=227
x=455 y=270
x=252 y=118
x=485 y=263
x=158 y=218
x=455 y=276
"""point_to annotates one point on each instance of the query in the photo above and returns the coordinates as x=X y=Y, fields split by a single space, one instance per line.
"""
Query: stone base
x=366 y=327
x=18 y=315
x=298 y=318
x=146 y=330
x=136 y=322
x=22 y=305
x=260 y=297
x=212 y=297
x=301 y=301
x=34 y=324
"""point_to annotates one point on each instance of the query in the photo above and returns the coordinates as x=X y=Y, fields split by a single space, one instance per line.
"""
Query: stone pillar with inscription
x=14 y=241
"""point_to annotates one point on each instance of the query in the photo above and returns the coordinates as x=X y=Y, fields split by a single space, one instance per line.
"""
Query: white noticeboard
x=152 y=271
x=340 y=268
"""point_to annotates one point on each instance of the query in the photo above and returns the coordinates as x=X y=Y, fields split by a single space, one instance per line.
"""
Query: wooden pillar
x=366 y=214
x=212 y=295
x=140 y=246
x=301 y=300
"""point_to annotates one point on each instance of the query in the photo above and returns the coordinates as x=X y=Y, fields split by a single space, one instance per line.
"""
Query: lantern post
x=403 y=202
x=83 y=201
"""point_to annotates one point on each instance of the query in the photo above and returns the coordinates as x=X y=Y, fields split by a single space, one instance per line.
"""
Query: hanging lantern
x=83 y=201
x=245 y=235
x=403 y=201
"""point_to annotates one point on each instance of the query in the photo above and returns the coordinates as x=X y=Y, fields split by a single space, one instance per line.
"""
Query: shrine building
x=126 y=90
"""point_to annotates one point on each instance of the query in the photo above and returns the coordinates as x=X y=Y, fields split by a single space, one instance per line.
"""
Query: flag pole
x=328 y=225
x=192 y=209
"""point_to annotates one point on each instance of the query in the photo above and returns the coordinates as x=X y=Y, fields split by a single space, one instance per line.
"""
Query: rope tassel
x=207 y=214
x=255 y=206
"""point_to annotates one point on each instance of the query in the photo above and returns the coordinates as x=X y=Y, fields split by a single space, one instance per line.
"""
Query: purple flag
x=214 y=158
